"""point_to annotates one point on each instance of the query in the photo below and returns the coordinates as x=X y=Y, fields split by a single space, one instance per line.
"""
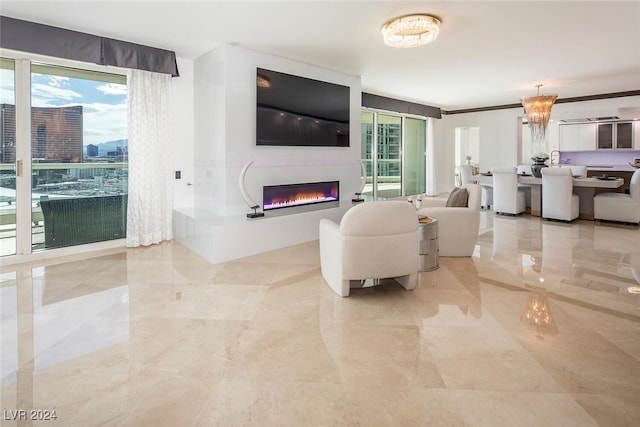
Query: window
x=75 y=151
x=395 y=162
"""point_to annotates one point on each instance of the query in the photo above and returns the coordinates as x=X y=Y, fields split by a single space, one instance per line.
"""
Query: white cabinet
x=615 y=136
x=578 y=137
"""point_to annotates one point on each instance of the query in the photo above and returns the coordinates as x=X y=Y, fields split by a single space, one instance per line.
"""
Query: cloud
x=56 y=81
x=42 y=95
x=104 y=122
x=7 y=87
x=113 y=89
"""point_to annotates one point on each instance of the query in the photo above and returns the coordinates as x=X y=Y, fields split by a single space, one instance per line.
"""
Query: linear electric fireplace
x=310 y=195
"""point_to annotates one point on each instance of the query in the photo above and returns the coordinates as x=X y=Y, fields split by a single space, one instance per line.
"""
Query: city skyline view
x=104 y=103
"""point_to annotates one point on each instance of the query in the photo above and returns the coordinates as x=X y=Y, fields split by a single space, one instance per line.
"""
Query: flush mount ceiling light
x=538 y=111
x=411 y=30
x=263 y=81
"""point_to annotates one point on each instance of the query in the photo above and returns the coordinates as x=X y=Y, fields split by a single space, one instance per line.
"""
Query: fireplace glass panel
x=290 y=195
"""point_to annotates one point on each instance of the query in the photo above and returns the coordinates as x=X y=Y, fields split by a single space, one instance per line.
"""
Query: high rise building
x=92 y=150
x=56 y=134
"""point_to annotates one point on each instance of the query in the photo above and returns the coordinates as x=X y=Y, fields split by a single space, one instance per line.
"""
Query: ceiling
x=487 y=54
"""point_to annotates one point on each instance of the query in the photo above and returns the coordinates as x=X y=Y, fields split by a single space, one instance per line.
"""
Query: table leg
x=536 y=200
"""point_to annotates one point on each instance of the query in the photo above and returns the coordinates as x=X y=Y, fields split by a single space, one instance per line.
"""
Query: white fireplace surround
x=216 y=226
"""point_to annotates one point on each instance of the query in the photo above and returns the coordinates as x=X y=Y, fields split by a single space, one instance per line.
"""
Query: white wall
x=225 y=102
x=215 y=138
x=224 y=114
x=183 y=133
x=499 y=133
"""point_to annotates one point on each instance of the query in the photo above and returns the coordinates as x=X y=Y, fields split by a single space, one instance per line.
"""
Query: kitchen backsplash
x=598 y=158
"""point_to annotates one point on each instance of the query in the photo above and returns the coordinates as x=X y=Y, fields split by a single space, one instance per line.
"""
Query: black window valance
x=41 y=39
x=399 y=106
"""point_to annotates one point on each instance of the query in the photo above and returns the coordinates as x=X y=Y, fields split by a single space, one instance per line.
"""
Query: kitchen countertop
x=577 y=182
x=620 y=168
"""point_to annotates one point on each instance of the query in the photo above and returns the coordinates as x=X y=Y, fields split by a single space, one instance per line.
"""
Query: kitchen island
x=618 y=171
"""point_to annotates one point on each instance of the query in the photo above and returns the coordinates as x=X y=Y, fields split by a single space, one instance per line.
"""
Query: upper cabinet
x=616 y=136
x=578 y=137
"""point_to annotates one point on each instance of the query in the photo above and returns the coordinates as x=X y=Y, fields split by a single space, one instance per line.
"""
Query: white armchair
x=578 y=171
x=619 y=206
x=558 y=200
x=458 y=227
x=507 y=197
x=379 y=239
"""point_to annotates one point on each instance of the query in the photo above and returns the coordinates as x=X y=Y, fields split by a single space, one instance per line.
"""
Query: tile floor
x=158 y=337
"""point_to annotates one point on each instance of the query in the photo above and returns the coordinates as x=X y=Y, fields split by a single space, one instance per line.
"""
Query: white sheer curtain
x=150 y=199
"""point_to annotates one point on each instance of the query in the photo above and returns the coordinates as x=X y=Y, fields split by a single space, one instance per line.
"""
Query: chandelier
x=411 y=30
x=538 y=110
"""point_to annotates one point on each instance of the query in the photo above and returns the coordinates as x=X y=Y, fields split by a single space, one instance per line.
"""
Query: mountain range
x=104 y=147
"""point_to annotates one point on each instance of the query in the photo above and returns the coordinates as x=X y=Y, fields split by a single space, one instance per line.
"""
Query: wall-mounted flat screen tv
x=298 y=111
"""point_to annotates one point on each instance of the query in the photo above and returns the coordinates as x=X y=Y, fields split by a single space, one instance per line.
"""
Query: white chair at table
x=466 y=174
x=507 y=198
x=486 y=200
x=525 y=170
x=558 y=200
x=619 y=206
x=578 y=171
x=487 y=196
x=466 y=177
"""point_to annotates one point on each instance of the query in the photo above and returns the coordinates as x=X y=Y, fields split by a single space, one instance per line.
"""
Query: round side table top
x=425 y=220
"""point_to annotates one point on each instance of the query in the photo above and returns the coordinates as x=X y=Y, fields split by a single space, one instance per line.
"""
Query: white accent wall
x=224 y=115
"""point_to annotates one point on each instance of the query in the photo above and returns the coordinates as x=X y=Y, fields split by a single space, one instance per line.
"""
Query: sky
x=104 y=104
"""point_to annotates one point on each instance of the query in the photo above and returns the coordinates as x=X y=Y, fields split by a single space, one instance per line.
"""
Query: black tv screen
x=298 y=111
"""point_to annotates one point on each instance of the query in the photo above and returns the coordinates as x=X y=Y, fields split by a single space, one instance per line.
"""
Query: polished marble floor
x=541 y=327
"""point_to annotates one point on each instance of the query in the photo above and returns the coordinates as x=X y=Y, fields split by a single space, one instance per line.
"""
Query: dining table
x=584 y=187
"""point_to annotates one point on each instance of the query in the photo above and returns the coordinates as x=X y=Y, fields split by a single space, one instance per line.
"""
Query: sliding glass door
x=415 y=147
x=64 y=167
x=367 y=149
x=393 y=152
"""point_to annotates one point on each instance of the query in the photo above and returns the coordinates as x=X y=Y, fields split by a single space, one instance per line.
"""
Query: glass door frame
x=23 y=164
x=374 y=148
x=23 y=168
x=379 y=161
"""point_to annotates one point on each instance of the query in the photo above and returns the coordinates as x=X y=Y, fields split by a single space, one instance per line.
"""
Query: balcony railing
x=55 y=180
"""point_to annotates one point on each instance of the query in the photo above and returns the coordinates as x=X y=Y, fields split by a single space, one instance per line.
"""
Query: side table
x=428 y=244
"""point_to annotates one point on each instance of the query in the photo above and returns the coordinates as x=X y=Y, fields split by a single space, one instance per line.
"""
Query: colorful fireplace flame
x=289 y=195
